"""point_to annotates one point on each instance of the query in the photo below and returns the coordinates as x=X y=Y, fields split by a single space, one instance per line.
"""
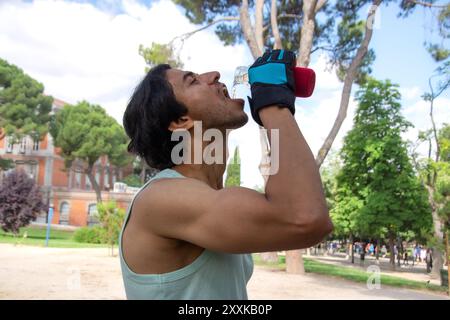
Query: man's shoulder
x=168 y=192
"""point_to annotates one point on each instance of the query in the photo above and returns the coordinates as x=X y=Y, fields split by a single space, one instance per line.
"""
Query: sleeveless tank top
x=211 y=276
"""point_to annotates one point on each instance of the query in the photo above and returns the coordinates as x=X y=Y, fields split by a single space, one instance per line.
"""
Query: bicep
x=235 y=220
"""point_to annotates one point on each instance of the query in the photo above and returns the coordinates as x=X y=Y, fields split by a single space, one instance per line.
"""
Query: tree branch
x=348 y=83
x=319 y=5
x=247 y=30
x=289 y=15
x=189 y=34
x=428 y=5
x=283 y=15
x=307 y=32
x=274 y=24
x=259 y=6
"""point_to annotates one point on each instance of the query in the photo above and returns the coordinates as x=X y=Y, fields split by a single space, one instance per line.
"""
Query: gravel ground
x=28 y=272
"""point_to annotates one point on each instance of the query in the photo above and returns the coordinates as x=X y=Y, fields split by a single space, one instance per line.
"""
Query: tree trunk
x=307 y=32
x=247 y=30
x=269 y=256
x=400 y=252
x=94 y=184
x=391 y=249
x=294 y=262
x=377 y=250
x=438 y=262
x=274 y=23
x=447 y=258
x=348 y=83
x=352 y=250
x=259 y=6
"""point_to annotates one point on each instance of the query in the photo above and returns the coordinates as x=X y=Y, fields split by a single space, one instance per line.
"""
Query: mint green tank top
x=211 y=276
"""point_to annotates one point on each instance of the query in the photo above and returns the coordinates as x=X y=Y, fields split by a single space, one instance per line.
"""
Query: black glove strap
x=267 y=95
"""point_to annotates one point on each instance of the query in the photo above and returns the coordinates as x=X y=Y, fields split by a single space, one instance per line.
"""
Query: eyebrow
x=187 y=75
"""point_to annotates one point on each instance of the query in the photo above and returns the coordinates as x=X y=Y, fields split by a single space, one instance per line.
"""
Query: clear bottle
x=240 y=78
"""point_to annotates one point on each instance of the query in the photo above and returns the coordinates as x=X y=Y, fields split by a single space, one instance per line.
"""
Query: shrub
x=95 y=234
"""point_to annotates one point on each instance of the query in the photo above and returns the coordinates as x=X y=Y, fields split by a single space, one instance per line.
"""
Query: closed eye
x=194 y=79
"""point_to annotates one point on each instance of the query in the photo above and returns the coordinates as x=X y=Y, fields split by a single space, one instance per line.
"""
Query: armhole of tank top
x=130 y=209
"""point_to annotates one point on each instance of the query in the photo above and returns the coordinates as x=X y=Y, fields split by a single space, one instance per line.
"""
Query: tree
x=20 y=201
x=345 y=216
x=381 y=196
x=85 y=132
x=234 y=170
x=6 y=164
x=24 y=109
x=111 y=218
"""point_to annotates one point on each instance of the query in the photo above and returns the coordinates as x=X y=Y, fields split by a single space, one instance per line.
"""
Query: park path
x=28 y=272
x=409 y=272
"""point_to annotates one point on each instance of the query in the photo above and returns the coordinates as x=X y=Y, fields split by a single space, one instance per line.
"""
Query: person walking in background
x=383 y=251
x=362 y=255
x=423 y=254
x=417 y=252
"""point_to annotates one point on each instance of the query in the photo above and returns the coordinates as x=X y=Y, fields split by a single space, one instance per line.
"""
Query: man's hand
x=272 y=82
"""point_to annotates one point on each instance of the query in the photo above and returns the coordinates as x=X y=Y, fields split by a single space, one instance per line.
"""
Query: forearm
x=296 y=187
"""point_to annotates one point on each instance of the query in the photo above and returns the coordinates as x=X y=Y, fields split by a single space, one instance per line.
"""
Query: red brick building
x=69 y=192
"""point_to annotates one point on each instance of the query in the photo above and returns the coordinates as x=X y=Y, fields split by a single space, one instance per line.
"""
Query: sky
x=88 y=50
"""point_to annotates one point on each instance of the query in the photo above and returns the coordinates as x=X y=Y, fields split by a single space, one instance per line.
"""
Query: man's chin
x=238 y=122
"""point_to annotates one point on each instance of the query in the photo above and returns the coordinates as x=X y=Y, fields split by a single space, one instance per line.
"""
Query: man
x=187 y=237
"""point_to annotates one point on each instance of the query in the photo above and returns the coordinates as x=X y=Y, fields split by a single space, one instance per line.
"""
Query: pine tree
x=234 y=170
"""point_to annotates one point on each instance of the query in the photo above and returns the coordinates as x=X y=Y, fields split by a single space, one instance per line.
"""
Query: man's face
x=207 y=99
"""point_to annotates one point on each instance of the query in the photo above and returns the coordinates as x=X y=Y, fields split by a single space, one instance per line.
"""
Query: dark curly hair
x=148 y=114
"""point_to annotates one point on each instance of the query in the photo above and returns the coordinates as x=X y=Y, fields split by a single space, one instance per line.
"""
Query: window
x=23 y=145
x=64 y=212
x=113 y=177
x=9 y=146
x=88 y=182
x=92 y=214
x=77 y=180
x=97 y=176
x=35 y=145
x=32 y=171
x=106 y=178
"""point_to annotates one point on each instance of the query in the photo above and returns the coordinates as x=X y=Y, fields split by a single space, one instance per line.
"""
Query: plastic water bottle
x=240 y=78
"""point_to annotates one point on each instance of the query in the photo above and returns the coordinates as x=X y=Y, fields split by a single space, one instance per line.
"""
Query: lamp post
x=49 y=221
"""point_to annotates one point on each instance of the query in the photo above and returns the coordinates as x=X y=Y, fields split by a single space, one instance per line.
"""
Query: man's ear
x=185 y=122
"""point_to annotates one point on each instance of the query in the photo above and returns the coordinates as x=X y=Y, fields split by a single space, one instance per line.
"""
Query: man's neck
x=211 y=174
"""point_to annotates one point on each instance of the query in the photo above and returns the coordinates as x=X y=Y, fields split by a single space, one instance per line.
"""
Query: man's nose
x=211 y=77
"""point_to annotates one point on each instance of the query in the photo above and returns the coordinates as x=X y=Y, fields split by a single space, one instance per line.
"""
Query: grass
x=349 y=273
x=36 y=237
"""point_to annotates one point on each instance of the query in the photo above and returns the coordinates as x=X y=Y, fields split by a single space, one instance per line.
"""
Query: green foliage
x=111 y=217
x=132 y=180
x=329 y=171
x=378 y=193
x=160 y=53
x=86 y=132
x=24 y=109
x=6 y=164
x=234 y=170
x=95 y=235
